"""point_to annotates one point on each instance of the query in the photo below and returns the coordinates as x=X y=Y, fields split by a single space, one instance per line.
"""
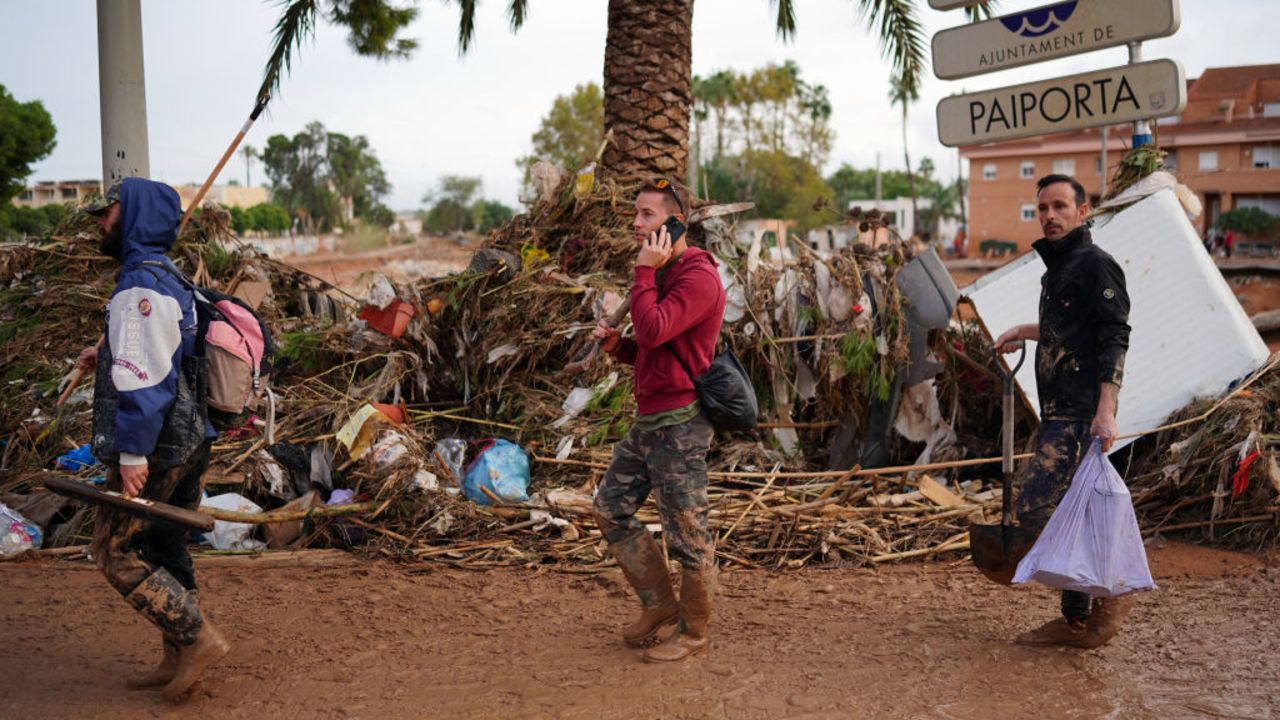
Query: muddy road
x=353 y=638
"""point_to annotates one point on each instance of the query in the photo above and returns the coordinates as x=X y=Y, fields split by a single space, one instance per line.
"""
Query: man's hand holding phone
x=656 y=250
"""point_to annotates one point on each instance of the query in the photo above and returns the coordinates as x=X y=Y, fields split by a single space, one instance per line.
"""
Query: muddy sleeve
x=1110 y=310
x=685 y=302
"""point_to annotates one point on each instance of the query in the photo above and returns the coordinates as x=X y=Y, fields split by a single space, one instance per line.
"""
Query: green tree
x=451 y=204
x=26 y=137
x=850 y=184
x=269 y=218
x=1249 y=221
x=648 y=51
x=240 y=220
x=488 y=215
x=326 y=179
x=570 y=134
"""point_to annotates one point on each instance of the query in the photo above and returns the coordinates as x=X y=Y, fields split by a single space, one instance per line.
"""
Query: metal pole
x=1106 y=137
x=122 y=91
x=1141 y=128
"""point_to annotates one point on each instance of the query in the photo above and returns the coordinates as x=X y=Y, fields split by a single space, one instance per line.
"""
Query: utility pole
x=1141 y=128
x=122 y=91
x=1106 y=137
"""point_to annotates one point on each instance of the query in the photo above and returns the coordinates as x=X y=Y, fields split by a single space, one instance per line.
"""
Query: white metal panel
x=1190 y=336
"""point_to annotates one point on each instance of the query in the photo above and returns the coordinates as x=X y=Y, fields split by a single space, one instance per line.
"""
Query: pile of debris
x=397 y=401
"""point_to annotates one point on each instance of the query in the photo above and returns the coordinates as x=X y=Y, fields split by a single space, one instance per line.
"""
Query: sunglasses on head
x=664 y=185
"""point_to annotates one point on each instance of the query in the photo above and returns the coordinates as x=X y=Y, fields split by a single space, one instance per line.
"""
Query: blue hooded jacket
x=149 y=401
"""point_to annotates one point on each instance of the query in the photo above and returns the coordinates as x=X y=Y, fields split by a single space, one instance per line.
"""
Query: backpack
x=238 y=351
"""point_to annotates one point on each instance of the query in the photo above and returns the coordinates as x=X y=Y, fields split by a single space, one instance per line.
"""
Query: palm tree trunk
x=911 y=176
x=648 y=86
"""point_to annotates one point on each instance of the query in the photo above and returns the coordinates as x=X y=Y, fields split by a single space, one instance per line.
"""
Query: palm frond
x=901 y=38
x=981 y=11
x=518 y=11
x=786 y=18
x=297 y=21
x=466 y=23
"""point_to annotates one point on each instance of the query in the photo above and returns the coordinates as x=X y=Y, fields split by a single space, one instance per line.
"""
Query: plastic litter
x=503 y=469
x=17 y=534
x=1092 y=543
x=231 y=535
x=76 y=460
x=453 y=453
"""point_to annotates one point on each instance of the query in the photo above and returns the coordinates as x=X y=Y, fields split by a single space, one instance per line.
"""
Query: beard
x=112 y=241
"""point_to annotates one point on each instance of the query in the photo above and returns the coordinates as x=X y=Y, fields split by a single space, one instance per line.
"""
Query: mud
x=363 y=639
x=425 y=258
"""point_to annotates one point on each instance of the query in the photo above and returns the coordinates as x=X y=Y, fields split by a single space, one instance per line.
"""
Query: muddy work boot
x=1105 y=620
x=644 y=567
x=208 y=648
x=1055 y=632
x=175 y=610
x=690 y=637
x=162 y=673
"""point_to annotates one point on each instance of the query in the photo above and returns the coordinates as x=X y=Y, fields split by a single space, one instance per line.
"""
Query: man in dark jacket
x=150 y=427
x=1082 y=337
x=677 y=306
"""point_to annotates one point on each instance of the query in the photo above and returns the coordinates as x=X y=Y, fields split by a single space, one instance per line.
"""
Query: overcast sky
x=440 y=113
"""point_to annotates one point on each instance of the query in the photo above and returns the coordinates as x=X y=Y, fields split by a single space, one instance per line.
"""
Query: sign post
x=1128 y=93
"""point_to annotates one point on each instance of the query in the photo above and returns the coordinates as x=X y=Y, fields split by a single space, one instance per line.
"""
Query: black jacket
x=1084 y=326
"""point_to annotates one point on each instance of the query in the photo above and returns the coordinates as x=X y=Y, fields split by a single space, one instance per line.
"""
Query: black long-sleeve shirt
x=1084 y=326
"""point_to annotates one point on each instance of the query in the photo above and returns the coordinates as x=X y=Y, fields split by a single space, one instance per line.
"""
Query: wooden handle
x=136 y=506
x=589 y=352
x=75 y=377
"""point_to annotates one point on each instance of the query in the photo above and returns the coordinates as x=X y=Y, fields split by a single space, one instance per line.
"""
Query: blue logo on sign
x=1042 y=21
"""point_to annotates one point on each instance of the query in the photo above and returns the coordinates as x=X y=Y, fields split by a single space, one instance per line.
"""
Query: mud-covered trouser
x=1059 y=449
x=673 y=462
x=147 y=560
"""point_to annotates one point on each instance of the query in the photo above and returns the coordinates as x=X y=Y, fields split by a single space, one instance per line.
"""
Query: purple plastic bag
x=1092 y=543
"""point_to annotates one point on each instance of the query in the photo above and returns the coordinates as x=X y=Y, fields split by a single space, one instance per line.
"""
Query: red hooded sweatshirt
x=683 y=316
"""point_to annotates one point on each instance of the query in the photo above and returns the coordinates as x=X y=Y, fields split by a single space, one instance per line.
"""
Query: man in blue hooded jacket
x=150 y=427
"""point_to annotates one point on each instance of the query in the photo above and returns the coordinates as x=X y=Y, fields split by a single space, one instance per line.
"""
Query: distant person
x=677 y=307
x=1229 y=242
x=150 y=428
x=958 y=244
x=1082 y=337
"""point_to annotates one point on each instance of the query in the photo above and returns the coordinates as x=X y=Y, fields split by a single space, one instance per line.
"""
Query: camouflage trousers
x=672 y=462
x=1060 y=447
x=129 y=548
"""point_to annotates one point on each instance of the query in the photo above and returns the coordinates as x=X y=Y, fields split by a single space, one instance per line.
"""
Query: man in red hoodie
x=677 y=305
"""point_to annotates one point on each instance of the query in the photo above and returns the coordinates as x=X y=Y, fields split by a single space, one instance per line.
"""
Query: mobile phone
x=675 y=228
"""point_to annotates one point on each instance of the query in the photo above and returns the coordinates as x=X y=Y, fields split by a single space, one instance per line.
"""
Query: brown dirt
x=426 y=257
x=375 y=640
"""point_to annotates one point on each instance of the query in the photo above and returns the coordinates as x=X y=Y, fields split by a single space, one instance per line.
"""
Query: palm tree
x=647 y=77
x=903 y=92
x=250 y=154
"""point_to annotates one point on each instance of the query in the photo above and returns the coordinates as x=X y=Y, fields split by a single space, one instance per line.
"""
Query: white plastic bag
x=232 y=535
x=1092 y=543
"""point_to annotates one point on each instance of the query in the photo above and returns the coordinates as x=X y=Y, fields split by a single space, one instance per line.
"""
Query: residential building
x=74 y=192
x=229 y=195
x=51 y=192
x=1225 y=146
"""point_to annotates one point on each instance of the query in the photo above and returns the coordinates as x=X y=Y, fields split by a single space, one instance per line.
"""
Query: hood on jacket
x=149 y=216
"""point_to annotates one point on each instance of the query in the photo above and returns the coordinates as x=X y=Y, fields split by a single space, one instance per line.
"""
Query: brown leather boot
x=194 y=659
x=1105 y=619
x=162 y=673
x=1054 y=632
x=695 y=612
x=644 y=567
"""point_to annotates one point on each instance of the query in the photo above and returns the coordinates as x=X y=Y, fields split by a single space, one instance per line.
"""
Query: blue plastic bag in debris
x=77 y=460
x=503 y=469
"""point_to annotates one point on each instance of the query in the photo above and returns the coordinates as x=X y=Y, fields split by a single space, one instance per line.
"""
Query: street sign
x=1048 y=32
x=952 y=4
x=1106 y=97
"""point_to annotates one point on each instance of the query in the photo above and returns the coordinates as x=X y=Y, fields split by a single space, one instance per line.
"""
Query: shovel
x=997 y=549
